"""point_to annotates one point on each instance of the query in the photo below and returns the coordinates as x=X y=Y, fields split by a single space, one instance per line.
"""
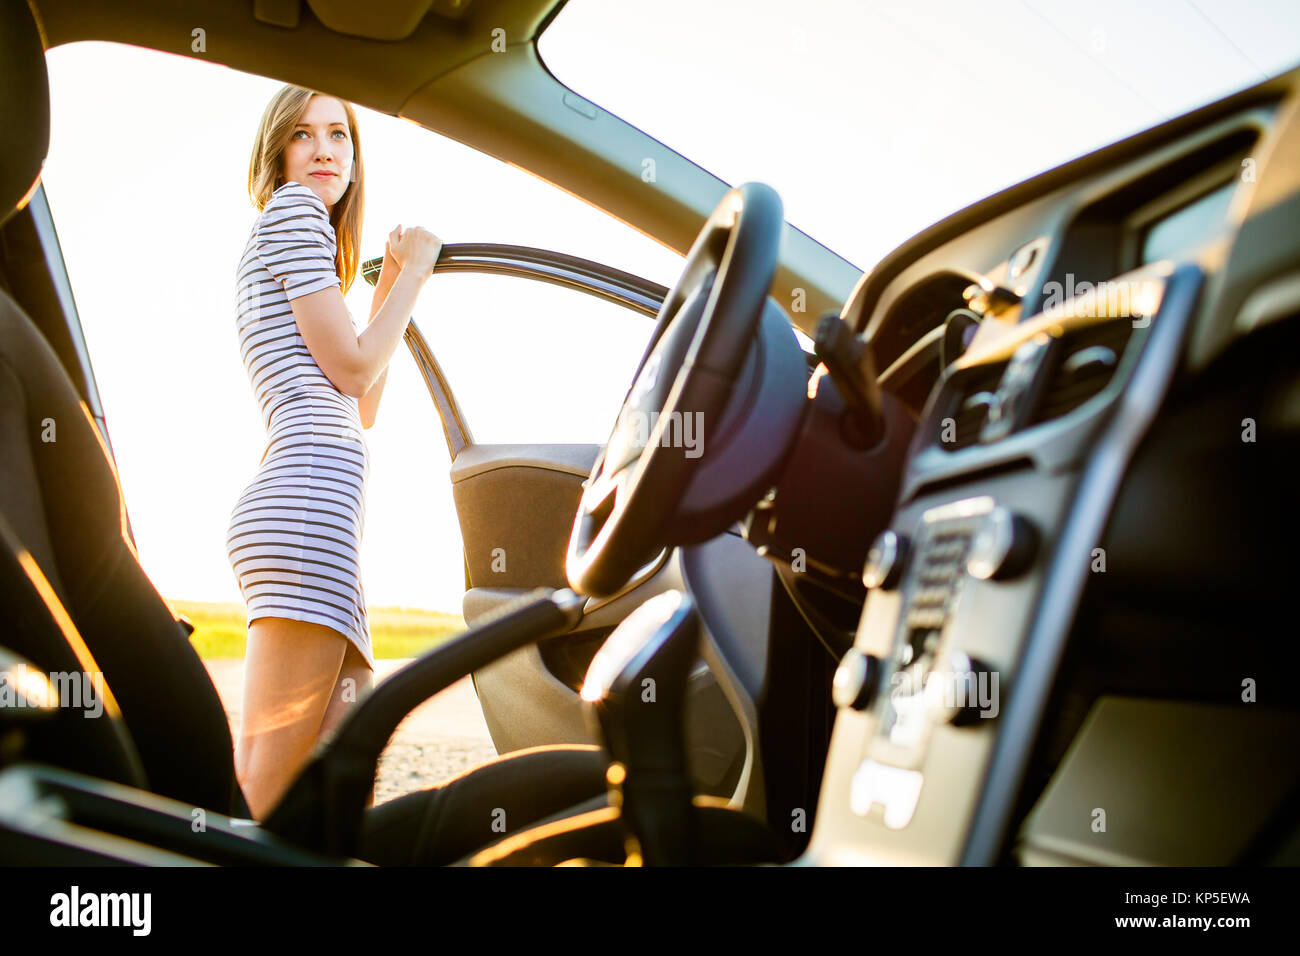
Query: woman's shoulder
x=293 y=199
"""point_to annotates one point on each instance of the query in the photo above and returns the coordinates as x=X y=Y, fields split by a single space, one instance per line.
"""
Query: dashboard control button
x=855 y=680
x=1003 y=547
x=962 y=690
x=885 y=561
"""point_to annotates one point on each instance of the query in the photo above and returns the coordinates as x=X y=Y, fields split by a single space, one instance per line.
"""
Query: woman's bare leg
x=355 y=682
x=290 y=671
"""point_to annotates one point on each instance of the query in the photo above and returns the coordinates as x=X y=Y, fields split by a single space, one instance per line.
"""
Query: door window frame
x=521 y=262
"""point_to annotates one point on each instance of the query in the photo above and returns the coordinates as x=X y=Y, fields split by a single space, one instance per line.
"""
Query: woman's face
x=319 y=154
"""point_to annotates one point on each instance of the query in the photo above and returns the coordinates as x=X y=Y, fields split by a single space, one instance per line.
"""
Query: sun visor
x=381 y=20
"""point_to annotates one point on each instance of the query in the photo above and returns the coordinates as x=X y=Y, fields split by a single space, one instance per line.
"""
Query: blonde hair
x=265 y=172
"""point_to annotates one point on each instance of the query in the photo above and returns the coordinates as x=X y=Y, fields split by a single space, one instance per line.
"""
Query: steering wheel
x=698 y=349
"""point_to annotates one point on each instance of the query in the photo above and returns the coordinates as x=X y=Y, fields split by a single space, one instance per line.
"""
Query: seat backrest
x=86 y=732
x=59 y=492
x=24 y=105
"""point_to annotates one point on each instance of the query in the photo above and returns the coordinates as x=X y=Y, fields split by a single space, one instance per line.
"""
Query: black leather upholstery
x=24 y=105
x=60 y=494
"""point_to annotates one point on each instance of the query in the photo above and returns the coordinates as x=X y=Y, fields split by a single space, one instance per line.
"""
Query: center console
x=973 y=588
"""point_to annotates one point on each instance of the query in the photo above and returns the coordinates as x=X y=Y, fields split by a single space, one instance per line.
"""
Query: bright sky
x=876 y=118
x=871 y=119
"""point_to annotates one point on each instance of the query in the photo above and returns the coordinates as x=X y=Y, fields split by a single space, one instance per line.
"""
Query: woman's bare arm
x=355 y=362
x=369 y=402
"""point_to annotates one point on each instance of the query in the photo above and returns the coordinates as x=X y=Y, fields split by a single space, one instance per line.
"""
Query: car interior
x=991 y=572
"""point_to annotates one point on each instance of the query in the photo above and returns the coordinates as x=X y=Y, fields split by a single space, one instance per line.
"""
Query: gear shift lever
x=637 y=685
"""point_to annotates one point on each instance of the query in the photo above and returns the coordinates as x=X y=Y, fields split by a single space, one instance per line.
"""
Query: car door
x=516 y=499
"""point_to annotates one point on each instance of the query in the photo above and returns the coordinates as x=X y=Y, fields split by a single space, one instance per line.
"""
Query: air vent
x=922 y=308
x=976 y=389
x=1089 y=358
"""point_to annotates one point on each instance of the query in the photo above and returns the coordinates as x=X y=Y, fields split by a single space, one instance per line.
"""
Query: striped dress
x=294 y=536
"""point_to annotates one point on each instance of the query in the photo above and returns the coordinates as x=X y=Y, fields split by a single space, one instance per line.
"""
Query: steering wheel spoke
x=598 y=495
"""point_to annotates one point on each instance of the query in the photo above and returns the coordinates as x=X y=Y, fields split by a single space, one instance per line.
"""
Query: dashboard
x=1035 y=337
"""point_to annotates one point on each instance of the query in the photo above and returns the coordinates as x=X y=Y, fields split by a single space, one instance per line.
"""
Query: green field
x=220 y=631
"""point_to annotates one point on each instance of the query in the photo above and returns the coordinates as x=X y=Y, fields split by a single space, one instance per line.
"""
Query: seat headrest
x=24 y=105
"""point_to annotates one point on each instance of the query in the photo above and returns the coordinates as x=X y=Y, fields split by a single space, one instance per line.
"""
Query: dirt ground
x=440 y=738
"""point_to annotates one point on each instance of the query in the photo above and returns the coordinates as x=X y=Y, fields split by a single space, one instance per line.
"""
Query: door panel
x=516 y=505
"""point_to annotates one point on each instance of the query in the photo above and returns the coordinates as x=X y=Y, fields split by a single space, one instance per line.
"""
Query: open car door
x=516 y=504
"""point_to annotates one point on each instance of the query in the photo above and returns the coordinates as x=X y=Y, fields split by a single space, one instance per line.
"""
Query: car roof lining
x=334 y=54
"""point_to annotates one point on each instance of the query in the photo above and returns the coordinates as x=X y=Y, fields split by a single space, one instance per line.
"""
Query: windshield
x=874 y=120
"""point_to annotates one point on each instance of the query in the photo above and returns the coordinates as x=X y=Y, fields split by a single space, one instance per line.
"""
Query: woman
x=294 y=535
